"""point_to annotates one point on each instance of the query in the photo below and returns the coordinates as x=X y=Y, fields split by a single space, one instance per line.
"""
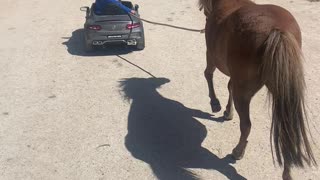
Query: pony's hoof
x=227 y=116
x=286 y=177
x=215 y=105
x=238 y=152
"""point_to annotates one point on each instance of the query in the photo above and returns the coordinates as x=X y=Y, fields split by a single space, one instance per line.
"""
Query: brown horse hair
x=282 y=73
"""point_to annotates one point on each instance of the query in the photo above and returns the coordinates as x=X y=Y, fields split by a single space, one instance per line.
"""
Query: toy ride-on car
x=113 y=26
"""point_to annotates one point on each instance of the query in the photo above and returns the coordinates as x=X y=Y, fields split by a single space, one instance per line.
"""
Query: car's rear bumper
x=130 y=42
x=99 y=40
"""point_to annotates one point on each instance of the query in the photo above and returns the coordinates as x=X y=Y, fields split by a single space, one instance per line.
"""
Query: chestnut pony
x=257 y=45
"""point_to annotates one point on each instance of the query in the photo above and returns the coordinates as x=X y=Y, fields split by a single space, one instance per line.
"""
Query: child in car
x=101 y=4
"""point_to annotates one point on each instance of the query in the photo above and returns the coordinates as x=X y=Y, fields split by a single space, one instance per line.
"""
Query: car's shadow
x=75 y=46
x=164 y=133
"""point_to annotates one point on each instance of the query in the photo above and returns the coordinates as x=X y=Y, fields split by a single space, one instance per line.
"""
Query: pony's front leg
x=208 y=73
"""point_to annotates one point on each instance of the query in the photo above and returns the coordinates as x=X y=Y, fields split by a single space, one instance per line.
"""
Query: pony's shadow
x=165 y=134
x=75 y=46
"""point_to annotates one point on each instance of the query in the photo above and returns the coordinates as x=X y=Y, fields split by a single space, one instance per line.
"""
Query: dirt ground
x=65 y=114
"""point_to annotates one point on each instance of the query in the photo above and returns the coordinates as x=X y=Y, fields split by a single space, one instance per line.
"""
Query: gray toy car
x=114 y=26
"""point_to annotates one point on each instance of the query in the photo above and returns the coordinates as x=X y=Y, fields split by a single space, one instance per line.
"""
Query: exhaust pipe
x=132 y=42
x=97 y=43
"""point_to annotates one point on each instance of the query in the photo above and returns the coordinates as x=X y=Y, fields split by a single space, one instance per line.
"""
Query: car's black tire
x=88 y=47
x=140 y=44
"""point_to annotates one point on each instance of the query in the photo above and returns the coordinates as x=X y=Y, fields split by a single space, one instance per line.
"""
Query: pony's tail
x=282 y=73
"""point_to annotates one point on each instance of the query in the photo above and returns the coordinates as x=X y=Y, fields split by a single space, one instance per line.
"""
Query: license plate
x=114 y=36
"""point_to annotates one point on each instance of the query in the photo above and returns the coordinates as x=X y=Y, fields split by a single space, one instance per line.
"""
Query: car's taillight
x=132 y=26
x=94 y=27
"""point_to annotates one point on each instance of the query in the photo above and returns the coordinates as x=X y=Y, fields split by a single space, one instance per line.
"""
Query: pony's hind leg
x=208 y=73
x=228 y=113
x=242 y=94
x=242 y=106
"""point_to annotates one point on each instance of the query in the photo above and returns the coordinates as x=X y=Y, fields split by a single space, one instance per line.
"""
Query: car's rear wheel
x=140 y=44
x=88 y=47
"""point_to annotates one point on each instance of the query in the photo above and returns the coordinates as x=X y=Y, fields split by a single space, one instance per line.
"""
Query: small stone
x=5 y=113
x=103 y=145
x=53 y=96
x=169 y=19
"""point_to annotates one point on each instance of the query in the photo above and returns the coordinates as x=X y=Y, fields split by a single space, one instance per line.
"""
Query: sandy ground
x=67 y=115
